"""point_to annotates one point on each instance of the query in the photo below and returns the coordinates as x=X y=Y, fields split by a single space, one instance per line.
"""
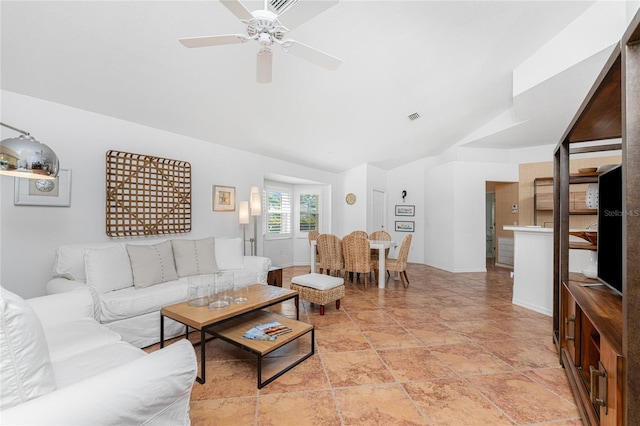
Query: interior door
x=378 y=210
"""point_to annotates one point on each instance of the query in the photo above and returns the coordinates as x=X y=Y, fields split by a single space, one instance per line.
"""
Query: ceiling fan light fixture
x=265 y=27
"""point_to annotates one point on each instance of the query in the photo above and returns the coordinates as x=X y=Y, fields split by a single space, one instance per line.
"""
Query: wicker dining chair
x=360 y=234
x=330 y=249
x=357 y=257
x=312 y=236
x=379 y=236
x=399 y=265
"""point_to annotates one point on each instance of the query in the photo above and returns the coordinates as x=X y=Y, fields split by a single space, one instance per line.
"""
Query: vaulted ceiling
x=452 y=62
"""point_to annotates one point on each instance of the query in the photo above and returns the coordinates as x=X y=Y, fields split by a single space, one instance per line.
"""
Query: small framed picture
x=404 y=226
x=405 y=210
x=44 y=192
x=224 y=198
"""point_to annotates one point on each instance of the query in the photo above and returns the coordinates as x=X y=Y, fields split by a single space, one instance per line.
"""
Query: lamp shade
x=25 y=157
x=256 y=201
x=243 y=213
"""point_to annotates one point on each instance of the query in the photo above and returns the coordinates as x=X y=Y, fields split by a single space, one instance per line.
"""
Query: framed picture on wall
x=404 y=226
x=44 y=192
x=224 y=198
x=405 y=210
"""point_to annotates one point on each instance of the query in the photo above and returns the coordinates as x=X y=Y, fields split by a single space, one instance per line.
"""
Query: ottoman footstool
x=319 y=289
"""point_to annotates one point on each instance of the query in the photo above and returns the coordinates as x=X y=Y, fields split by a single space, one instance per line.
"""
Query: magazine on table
x=267 y=331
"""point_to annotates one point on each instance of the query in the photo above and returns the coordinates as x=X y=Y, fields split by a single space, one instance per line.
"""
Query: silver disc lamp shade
x=25 y=157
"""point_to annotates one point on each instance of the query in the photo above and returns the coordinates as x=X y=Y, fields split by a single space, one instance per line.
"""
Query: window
x=278 y=217
x=309 y=212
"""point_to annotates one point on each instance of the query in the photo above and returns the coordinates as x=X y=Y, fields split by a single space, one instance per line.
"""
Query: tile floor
x=449 y=350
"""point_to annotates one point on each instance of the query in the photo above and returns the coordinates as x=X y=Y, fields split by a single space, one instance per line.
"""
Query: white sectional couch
x=131 y=280
x=60 y=367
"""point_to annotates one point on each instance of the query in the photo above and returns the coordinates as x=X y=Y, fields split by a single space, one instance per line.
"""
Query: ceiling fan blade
x=215 y=40
x=264 y=66
x=237 y=9
x=311 y=54
x=302 y=11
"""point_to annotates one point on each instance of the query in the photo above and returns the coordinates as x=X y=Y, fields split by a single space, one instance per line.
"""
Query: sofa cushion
x=69 y=261
x=152 y=264
x=108 y=269
x=26 y=370
x=131 y=302
x=229 y=253
x=74 y=337
x=88 y=363
x=195 y=257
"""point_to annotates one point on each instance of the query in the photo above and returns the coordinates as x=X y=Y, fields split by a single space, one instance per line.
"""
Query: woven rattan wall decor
x=147 y=195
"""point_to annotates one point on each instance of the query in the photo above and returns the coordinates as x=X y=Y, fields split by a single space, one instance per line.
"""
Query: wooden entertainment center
x=597 y=331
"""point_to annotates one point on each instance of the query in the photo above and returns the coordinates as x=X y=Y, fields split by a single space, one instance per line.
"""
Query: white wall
x=81 y=139
x=439 y=219
x=449 y=195
x=354 y=217
x=410 y=178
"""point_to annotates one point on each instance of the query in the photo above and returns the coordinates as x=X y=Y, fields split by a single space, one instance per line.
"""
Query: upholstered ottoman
x=319 y=289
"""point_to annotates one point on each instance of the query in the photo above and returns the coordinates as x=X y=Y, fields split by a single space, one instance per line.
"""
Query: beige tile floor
x=449 y=350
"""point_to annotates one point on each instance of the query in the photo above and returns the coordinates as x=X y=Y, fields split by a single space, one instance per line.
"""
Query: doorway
x=378 y=210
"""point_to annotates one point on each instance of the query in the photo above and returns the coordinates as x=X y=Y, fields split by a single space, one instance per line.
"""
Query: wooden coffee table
x=202 y=318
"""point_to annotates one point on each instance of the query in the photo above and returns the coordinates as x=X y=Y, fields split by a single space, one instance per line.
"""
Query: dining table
x=379 y=245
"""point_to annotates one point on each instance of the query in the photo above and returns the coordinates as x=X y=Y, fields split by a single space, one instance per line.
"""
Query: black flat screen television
x=610 y=216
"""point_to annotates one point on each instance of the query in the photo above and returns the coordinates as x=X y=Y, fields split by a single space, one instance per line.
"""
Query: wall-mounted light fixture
x=25 y=157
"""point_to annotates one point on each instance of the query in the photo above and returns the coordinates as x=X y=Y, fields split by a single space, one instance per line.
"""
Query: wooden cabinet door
x=570 y=324
x=611 y=390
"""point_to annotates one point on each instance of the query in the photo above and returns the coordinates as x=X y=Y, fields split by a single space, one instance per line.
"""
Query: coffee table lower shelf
x=232 y=331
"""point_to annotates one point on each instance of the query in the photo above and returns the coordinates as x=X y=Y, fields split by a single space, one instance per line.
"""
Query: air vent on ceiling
x=279 y=6
x=414 y=116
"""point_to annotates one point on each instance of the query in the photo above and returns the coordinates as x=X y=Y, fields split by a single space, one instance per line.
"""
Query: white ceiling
x=450 y=61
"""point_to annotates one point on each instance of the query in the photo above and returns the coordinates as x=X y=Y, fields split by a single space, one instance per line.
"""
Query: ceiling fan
x=264 y=27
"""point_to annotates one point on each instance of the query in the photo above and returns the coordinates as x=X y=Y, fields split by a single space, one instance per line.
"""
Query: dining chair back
x=379 y=236
x=357 y=257
x=399 y=265
x=360 y=234
x=330 y=250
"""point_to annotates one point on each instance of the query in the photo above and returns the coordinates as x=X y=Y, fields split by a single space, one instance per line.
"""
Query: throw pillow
x=229 y=253
x=108 y=269
x=195 y=257
x=152 y=264
x=25 y=366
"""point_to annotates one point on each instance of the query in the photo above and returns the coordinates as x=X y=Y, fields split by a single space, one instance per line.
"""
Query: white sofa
x=60 y=367
x=131 y=281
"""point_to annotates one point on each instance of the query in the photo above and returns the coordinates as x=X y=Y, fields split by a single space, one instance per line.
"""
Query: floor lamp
x=25 y=157
x=243 y=218
x=256 y=211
